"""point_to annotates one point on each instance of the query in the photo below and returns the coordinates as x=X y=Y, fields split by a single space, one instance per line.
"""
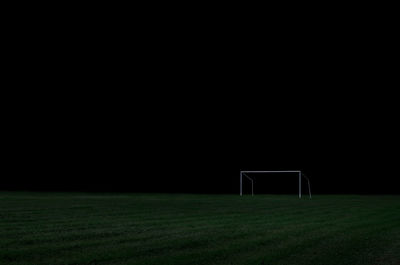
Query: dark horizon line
x=194 y=193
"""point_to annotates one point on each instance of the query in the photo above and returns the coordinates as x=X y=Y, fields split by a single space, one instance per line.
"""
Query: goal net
x=246 y=175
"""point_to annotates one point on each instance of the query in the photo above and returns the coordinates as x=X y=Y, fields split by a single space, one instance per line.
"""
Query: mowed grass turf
x=79 y=228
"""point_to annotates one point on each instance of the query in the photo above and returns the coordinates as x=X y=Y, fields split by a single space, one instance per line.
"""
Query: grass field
x=79 y=228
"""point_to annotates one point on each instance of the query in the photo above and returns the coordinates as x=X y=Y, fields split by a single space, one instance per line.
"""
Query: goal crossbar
x=245 y=172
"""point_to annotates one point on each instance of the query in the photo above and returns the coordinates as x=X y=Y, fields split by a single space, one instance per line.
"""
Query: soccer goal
x=247 y=173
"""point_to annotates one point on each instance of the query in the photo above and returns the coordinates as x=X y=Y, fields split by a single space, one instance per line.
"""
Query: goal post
x=298 y=172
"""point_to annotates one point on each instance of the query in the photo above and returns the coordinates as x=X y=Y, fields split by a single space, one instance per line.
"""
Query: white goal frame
x=244 y=173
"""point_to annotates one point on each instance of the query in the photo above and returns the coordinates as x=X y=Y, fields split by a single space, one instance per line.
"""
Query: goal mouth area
x=244 y=175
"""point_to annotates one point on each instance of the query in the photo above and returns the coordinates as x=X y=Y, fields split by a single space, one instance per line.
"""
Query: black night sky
x=197 y=143
x=180 y=113
x=170 y=107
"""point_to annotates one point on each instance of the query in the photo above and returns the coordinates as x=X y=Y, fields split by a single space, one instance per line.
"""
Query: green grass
x=79 y=228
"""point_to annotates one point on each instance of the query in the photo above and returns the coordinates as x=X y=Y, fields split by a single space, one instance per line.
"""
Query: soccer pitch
x=83 y=228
